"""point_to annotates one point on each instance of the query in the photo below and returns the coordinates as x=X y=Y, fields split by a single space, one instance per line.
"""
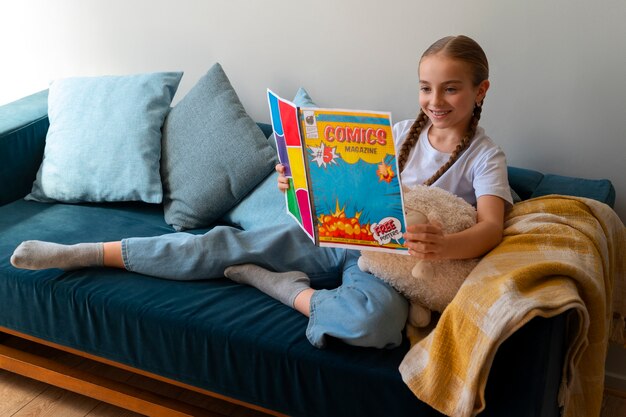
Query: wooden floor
x=24 y=397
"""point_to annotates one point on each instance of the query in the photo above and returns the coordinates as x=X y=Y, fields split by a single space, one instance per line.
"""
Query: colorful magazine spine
x=341 y=164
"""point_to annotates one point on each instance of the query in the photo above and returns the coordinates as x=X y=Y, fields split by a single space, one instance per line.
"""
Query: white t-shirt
x=479 y=170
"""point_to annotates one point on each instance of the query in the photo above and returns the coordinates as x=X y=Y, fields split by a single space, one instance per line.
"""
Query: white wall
x=557 y=102
x=558 y=97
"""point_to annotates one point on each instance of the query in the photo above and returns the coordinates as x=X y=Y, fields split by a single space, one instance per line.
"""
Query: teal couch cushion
x=104 y=140
x=225 y=337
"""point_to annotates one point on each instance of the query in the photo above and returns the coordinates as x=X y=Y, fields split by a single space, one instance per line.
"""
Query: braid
x=411 y=139
x=465 y=142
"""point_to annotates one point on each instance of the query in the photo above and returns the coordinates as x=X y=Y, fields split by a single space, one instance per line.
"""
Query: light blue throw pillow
x=303 y=99
x=104 y=140
x=214 y=154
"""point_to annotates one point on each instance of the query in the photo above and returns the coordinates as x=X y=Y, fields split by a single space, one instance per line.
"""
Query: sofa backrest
x=528 y=183
x=24 y=124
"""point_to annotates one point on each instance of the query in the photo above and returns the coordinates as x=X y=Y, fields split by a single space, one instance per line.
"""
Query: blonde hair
x=467 y=50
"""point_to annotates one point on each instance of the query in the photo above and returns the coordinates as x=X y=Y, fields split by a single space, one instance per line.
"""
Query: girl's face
x=447 y=93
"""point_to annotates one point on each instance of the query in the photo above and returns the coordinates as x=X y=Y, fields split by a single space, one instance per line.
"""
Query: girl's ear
x=482 y=91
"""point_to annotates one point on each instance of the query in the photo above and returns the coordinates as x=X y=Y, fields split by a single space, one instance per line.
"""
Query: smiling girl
x=446 y=148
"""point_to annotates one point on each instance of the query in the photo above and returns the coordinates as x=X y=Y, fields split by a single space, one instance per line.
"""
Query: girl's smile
x=436 y=114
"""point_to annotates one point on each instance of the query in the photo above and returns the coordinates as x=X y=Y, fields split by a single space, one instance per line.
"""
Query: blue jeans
x=360 y=309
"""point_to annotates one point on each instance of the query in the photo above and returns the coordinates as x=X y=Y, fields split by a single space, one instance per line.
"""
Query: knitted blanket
x=558 y=253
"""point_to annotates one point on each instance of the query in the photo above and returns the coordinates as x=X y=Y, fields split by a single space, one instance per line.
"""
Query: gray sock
x=35 y=254
x=283 y=286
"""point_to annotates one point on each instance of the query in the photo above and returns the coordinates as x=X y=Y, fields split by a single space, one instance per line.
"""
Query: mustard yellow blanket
x=558 y=253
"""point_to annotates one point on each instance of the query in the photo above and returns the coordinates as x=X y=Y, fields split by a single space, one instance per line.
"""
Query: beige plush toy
x=428 y=285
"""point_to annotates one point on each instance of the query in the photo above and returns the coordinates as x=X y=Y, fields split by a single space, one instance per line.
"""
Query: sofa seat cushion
x=214 y=334
x=221 y=336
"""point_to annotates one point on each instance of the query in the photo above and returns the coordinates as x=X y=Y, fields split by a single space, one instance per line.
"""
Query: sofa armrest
x=23 y=127
x=525 y=376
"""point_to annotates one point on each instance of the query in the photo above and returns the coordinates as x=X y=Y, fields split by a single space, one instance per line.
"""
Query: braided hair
x=467 y=50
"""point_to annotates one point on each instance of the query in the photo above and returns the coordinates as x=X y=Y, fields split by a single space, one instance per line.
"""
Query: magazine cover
x=344 y=185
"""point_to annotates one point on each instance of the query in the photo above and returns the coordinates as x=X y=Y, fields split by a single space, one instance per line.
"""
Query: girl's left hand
x=425 y=241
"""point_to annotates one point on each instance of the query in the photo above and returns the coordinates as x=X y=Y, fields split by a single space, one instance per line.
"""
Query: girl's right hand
x=283 y=182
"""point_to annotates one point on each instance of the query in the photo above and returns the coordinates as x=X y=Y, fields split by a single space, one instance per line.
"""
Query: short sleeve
x=490 y=175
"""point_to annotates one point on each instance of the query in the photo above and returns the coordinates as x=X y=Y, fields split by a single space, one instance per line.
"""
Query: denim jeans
x=359 y=309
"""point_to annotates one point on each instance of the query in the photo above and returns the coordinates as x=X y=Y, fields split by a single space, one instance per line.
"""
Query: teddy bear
x=429 y=285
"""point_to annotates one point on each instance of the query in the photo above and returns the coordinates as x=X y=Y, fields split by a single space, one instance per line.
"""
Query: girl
x=443 y=147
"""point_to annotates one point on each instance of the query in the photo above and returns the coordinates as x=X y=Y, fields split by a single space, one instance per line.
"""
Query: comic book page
x=343 y=165
x=284 y=118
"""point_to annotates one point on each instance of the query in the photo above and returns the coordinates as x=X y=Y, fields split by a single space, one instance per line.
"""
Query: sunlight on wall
x=23 y=69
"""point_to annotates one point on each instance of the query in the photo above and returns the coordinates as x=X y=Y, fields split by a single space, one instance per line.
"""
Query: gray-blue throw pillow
x=104 y=140
x=214 y=154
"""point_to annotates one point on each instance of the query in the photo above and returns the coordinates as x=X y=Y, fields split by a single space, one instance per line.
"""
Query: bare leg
x=112 y=255
x=302 y=302
x=286 y=287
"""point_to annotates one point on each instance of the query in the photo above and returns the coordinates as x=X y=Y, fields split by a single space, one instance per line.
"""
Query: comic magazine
x=344 y=185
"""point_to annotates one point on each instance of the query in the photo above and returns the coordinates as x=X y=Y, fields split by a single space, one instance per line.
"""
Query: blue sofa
x=213 y=336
